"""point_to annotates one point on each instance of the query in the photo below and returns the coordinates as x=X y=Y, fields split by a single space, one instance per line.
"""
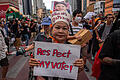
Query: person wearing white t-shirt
x=3 y=50
x=76 y=26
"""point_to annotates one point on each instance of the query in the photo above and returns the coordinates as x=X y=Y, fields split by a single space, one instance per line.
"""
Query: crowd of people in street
x=105 y=34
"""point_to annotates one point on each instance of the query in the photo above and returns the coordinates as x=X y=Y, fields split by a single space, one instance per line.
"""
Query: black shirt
x=25 y=30
x=15 y=30
x=111 y=48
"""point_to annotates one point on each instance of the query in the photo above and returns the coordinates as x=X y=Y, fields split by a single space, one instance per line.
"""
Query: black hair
x=60 y=3
x=16 y=21
x=108 y=15
x=32 y=20
x=77 y=11
x=116 y=24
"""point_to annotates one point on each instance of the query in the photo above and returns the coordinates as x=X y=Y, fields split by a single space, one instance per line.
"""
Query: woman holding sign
x=60 y=32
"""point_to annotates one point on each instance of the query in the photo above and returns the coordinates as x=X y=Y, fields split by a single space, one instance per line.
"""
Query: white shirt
x=3 y=47
x=76 y=28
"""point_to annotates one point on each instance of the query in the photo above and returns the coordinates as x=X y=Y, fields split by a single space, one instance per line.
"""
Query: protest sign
x=61 y=6
x=56 y=60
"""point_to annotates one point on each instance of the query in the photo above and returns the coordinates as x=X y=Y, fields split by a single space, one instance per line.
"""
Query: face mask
x=78 y=19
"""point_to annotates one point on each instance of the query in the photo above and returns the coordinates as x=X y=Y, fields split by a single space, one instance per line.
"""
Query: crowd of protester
x=15 y=32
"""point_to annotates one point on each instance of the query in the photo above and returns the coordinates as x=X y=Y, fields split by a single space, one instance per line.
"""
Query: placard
x=56 y=60
x=61 y=6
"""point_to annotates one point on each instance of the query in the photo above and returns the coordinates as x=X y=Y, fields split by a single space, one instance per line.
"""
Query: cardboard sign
x=85 y=34
x=56 y=60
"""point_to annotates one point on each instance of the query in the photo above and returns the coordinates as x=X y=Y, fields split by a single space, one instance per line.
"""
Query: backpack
x=5 y=38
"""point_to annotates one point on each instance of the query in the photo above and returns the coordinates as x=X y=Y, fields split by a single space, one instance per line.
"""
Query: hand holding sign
x=33 y=62
x=79 y=63
x=56 y=60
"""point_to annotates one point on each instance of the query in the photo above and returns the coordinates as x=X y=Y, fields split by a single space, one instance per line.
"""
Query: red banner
x=3 y=9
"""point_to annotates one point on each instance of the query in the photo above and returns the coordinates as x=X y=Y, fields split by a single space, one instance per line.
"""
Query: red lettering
x=55 y=51
x=63 y=54
x=66 y=66
x=59 y=54
x=42 y=52
x=68 y=54
x=47 y=63
x=63 y=63
x=41 y=63
x=58 y=65
x=39 y=51
x=53 y=65
x=71 y=67
x=48 y=51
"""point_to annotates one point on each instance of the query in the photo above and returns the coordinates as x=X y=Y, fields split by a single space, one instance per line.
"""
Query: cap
x=60 y=3
x=46 y=21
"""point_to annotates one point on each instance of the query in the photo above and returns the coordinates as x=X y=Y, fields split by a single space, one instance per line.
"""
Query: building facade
x=13 y=3
x=108 y=6
x=27 y=7
x=112 y=6
x=20 y=4
x=89 y=2
x=116 y=5
x=84 y=6
x=99 y=7
x=90 y=8
x=34 y=7
x=79 y=4
x=73 y=3
x=5 y=4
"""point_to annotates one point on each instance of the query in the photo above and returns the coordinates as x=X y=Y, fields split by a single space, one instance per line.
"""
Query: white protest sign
x=56 y=60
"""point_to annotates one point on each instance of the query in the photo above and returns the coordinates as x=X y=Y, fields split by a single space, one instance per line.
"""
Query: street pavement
x=19 y=67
